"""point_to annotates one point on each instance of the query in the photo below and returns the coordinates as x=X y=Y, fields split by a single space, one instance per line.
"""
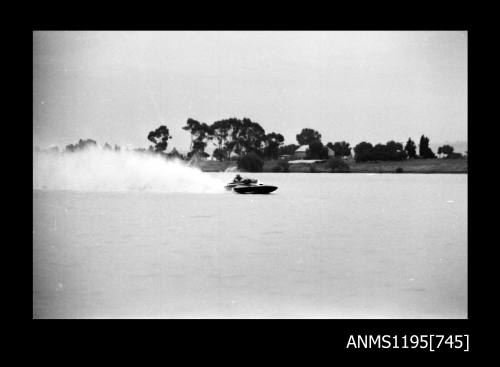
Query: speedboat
x=250 y=186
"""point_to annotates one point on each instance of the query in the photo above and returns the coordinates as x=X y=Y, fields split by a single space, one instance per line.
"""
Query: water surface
x=323 y=245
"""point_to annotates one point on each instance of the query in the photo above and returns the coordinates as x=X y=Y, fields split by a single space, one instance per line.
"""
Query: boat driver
x=237 y=178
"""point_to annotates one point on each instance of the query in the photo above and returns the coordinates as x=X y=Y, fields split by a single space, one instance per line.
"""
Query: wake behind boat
x=249 y=186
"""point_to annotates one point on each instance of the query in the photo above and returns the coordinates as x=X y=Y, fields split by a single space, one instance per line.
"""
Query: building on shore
x=301 y=151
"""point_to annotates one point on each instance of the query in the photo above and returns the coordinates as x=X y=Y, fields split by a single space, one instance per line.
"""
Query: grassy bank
x=413 y=166
x=409 y=166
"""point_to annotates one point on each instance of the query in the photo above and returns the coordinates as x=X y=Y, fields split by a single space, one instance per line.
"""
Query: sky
x=355 y=86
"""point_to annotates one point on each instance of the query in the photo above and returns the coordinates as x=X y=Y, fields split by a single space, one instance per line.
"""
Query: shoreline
x=424 y=166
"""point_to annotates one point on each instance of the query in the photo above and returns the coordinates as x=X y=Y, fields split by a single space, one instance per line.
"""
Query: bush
x=338 y=165
x=313 y=169
x=362 y=151
x=285 y=166
x=281 y=166
x=392 y=151
x=399 y=170
x=317 y=151
x=250 y=163
x=454 y=156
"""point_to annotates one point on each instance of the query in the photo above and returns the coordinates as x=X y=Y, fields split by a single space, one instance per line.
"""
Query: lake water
x=323 y=245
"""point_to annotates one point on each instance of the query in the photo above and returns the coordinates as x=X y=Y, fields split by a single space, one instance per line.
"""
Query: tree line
x=233 y=136
x=242 y=137
x=394 y=151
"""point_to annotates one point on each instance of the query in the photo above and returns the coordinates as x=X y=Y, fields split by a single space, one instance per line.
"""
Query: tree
x=446 y=150
x=232 y=143
x=393 y=146
x=395 y=151
x=107 y=146
x=239 y=136
x=308 y=136
x=219 y=154
x=198 y=147
x=204 y=133
x=411 y=148
x=201 y=133
x=341 y=148
x=251 y=162
x=231 y=135
x=192 y=126
x=317 y=151
x=362 y=151
x=81 y=145
x=272 y=144
x=424 y=149
x=221 y=130
x=378 y=153
x=159 y=138
x=234 y=136
x=391 y=151
x=287 y=149
x=251 y=136
x=345 y=149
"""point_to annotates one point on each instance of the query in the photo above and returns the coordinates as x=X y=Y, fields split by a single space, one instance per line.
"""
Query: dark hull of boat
x=257 y=189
